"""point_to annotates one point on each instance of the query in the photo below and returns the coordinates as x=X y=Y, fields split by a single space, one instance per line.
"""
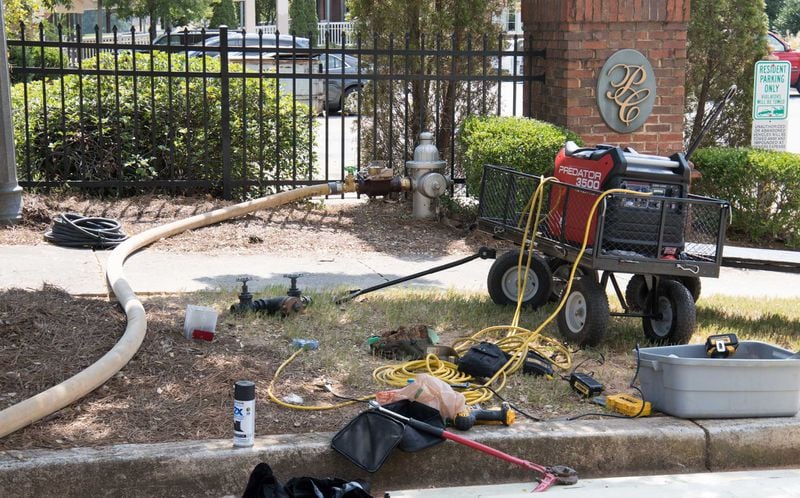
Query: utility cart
x=667 y=239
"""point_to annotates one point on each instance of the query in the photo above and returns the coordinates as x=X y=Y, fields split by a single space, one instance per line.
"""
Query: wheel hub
x=662 y=321
x=575 y=312
x=511 y=285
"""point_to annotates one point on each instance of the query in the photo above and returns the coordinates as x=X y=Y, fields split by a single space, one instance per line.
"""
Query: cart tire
x=636 y=293
x=678 y=314
x=560 y=270
x=693 y=285
x=584 y=318
x=502 y=280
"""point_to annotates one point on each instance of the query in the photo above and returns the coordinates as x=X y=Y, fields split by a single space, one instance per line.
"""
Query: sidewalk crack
x=707 y=452
x=102 y=272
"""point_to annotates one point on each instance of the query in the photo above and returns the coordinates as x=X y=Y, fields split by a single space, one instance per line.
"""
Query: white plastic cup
x=200 y=322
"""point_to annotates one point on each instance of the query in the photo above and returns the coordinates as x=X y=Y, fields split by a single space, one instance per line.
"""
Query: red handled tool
x=557 y=474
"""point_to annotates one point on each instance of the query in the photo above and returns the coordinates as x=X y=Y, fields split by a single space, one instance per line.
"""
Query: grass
x=343 y=358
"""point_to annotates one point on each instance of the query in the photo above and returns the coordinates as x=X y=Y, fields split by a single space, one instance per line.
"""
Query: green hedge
x=524 y=144
x=164 y=132
x=48 y=57
x=763 y=188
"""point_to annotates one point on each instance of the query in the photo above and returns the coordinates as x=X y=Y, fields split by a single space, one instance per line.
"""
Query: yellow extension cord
x=516 y=342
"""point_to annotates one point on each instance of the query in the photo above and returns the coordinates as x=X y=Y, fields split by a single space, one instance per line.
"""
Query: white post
x=250 y=15
x=10 y=191
x=282 y=16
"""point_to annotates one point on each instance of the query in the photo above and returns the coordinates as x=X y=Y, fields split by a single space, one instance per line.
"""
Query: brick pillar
x=579 y=35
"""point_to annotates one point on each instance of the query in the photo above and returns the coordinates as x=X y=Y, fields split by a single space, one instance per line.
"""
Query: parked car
x=784 y=52
x=178 y=37
x=249 y=40
x=342 y=95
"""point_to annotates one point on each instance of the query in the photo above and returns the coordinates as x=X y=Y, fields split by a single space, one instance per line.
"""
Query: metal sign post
x=770 y=105
x=10 y=191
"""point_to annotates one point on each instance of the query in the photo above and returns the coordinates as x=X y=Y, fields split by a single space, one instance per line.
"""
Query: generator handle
x=657 y=163
x=712 y=118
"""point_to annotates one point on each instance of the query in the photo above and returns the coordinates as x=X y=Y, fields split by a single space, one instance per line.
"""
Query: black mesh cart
x=667 y=243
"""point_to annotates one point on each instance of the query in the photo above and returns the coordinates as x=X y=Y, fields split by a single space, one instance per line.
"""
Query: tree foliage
x=772 y=7
x=788 y=20
x=439 y=106
x=725 y=39
x=224 y=14
x=27 y=12
x=303 y=19
x=266 y=11
x=169 y=12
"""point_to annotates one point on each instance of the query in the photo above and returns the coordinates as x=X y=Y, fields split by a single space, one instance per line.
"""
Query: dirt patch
x=173 y=389
x=326 y=226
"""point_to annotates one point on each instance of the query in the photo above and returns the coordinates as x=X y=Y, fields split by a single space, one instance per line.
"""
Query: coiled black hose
x=75 y=230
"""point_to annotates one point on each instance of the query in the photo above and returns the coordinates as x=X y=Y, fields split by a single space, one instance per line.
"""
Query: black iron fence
x=241 y=113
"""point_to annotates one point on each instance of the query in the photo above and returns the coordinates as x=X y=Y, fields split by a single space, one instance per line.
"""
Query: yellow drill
x=468 y=418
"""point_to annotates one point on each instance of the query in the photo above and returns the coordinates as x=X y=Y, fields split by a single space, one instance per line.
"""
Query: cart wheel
x=584 y=318
x=636 y=291
x=502 y=280
x=678 y=315
x=693 y=284
x=560 y=270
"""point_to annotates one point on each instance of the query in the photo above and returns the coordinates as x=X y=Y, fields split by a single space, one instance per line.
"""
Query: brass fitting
x=350 y=183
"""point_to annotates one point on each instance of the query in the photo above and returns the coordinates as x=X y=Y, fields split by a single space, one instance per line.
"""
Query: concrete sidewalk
x=82 y=272
x=764 y=484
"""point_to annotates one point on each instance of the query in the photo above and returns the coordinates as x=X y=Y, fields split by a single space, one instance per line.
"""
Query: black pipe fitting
x=293 y=302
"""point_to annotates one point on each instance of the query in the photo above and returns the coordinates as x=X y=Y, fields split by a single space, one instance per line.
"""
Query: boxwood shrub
x=106 y=126
x=523 y=144
x=763 y=188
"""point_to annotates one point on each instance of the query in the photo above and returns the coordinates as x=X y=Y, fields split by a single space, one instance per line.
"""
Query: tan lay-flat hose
x=79 y=385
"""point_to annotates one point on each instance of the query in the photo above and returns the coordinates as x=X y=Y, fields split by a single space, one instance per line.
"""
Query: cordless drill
x=468 y=418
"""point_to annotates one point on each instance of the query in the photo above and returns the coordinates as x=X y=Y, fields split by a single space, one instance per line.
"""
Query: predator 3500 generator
x=632 y=224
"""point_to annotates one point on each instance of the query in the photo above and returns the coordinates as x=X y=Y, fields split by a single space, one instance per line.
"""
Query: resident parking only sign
x=771 y=105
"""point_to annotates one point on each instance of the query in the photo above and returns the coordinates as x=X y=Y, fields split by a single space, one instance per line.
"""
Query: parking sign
x=770 y=104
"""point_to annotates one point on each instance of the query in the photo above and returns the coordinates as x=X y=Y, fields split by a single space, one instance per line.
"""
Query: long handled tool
x=483 y=253
x=557 y=474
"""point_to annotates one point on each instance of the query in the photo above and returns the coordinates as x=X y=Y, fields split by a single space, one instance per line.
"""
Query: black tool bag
x=263 y=484
x=368 y=439
x=483 y=360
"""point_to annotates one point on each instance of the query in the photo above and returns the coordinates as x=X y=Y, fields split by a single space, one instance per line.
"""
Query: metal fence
x=240 y=120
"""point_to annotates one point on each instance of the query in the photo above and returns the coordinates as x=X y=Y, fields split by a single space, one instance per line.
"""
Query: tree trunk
x=100 y=17
x=702 y=99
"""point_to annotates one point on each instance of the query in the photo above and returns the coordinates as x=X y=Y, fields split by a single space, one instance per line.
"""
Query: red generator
x=632 y=223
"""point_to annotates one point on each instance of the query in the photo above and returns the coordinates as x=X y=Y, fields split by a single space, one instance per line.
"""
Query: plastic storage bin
x=757 y=381
x=200 y=322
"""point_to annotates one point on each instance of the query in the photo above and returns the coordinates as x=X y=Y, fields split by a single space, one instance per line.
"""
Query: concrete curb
x=596 y=448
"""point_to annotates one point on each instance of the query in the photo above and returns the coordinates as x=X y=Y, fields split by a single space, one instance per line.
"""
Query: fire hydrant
x=427 y=178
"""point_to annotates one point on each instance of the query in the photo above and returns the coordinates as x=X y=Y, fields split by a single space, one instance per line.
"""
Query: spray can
x=244 y=413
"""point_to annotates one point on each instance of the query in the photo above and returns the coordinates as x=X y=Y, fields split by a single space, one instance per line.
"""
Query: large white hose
x=79 y=385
